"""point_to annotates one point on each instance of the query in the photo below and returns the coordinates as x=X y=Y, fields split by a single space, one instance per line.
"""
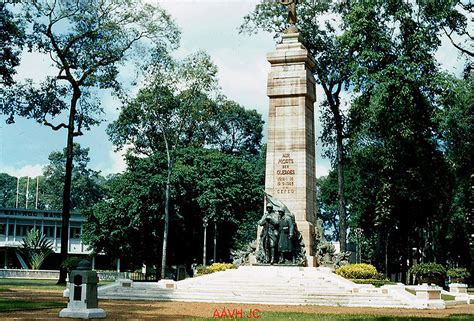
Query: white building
x=16 y=222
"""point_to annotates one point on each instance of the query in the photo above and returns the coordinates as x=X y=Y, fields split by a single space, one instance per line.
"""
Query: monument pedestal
x=290 y=163
x=83 y=302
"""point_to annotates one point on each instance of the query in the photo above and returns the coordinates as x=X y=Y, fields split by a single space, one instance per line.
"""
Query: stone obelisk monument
x=290 y=163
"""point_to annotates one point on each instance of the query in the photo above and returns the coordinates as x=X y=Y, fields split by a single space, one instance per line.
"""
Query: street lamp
x=204 y=224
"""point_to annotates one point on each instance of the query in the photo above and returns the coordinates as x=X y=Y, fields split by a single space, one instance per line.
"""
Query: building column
x=7 y=230
x=118 y=264
x=55 y=236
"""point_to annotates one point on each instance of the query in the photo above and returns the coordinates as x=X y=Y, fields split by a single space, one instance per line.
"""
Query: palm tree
x=35 y=248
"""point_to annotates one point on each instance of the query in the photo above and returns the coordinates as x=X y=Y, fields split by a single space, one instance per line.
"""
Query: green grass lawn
x=336 y=317
x=8 y=305
x=10 y=284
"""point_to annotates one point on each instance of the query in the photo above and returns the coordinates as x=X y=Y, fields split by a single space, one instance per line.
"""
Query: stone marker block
x=125 y=283
x=428 y=292
x=167 y=284
x=83 y=301
x=458 y=288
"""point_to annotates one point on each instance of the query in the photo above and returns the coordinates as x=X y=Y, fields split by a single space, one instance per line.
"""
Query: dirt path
x=127 y=310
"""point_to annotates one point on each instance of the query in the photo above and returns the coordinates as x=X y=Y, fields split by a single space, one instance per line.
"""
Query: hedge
x=358 y=271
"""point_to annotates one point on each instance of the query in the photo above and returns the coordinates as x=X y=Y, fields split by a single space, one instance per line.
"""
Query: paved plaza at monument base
x=276 y=285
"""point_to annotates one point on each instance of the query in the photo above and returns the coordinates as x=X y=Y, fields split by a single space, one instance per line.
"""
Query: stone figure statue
x=326 y=251
x=286 y=229
x=291 y=9
x=280 y=241
x=269 y=235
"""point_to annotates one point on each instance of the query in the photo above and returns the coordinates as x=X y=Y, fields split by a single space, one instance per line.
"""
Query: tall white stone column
x=290 y=163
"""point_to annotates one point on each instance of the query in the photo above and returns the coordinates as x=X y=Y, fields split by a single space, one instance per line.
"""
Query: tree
x=180 y=108
x=205 y=182
x=238 y=130
x=455 y=122
x=331 y=72
x=26 y=196
x=87 y=42
x=451 y=18
x=11 y=43
x=159 y=121
x=86 y=184
x=327 y=204
x=126 y=222
x=35 y=247
x=7 y=190
x=402 y=177
x=227 y=189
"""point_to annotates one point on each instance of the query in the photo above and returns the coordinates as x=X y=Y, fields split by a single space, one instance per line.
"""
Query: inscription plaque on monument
x=285 y=175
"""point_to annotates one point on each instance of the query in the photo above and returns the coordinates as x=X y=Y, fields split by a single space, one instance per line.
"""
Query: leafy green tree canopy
x=11 y=43
x=87 y=42
x=87 y=184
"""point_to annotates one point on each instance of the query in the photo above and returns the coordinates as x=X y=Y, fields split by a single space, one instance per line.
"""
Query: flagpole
x=27 y=191
x=37 y=188
x=17 y=190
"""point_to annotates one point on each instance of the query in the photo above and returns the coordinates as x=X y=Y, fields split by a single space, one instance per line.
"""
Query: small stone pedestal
x=83 y=302
x=429 y=297
x=167 y=284
x=427 y=292
x=458 y=288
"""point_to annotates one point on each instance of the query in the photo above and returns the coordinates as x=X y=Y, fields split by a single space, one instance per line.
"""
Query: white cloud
x=449 y=57
x=35 y=66
x=116 y=163
x=322 y=169
x=244 y=80
x=27 y=170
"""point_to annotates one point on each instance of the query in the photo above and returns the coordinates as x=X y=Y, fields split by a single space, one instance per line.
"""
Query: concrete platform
x=279 y=285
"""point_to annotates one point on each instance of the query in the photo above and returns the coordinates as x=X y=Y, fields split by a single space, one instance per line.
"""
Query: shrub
x=71 y=263
x=357 y=271
x=35 y=248
x=215 y=267
x=375 y=282
x=428 y=273
x=458 y=274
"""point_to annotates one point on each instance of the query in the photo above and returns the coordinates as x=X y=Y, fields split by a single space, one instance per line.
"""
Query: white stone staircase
x=268 y=285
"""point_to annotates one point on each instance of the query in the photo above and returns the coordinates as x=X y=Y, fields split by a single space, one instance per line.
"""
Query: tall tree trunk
x=204 y=258
x=167 y=215
x=215 y=242
x=340 y=189
x=334 y=105
x=66 y=211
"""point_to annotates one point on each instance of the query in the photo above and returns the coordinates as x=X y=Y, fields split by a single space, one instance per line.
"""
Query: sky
x=211 y=26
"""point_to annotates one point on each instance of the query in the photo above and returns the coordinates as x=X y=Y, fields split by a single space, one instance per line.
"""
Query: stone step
x=321 y=290
x=256 y=293
x=266 y=300
x=262 y=285
x=287 y=286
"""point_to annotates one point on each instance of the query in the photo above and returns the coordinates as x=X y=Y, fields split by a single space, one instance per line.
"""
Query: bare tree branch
x=62 y=125
x=105 y=61
x=467 y=52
